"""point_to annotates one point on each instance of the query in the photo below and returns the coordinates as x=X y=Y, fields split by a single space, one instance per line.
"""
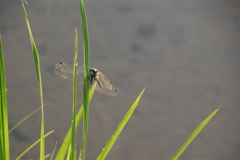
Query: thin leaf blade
x=119 y=129
x=38 y=71
x=194 y=134
x=65 y=145
x=4 y=137
x=34 y=144
x=86 y=76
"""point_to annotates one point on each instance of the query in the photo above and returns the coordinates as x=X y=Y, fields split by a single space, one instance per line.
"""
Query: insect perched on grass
x=65 y=70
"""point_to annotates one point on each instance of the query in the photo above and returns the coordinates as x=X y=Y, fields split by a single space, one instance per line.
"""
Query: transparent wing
x=107 y=86
x=65 y=70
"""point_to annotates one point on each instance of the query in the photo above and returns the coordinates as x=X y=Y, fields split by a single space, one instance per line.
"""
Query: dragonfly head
x=93 y=72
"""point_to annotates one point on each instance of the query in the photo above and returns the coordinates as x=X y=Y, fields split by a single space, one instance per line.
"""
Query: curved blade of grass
x=38 y=71
x=74 y=96
x=25 y=118
x=65 y=145
x=33 y=145
x=86 y=75
x=119 y=129
x=4 y=137
x=194 y=134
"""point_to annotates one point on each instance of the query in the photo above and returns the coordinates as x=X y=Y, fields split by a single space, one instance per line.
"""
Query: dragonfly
x=65 y=70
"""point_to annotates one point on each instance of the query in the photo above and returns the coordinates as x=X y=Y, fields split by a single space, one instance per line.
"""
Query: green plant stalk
x=86 y=76
x=38 y=71
x=119 y=129
x=73 y=148
x=4 y=137
x=193 y=135
x=65 y=145
x=34 y=144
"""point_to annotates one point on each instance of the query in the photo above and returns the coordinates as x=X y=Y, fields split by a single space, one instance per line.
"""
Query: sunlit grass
x=194 y=135
x=86 y=57
x=38 y=71
x=34 y=144
x=119 y=129
x=4 y=138
x=68 y=148
x=67 y=140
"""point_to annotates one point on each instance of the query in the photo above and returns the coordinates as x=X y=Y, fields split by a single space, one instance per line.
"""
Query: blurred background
x=186 y=54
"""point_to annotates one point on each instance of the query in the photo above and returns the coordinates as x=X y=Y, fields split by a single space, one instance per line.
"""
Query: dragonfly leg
x=96 y=79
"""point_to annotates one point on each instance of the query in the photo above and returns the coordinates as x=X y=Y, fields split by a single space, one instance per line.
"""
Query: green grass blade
x=25 y=118
x=119 y=129
x=4 y=137
x=38 y=71
x=34 y=144
x=69 y=153
x=80 y=155
x=86 y=75
x=194 y=134
x=48 y=155
x=65 y=145
x=53 y=151
x=74 y=103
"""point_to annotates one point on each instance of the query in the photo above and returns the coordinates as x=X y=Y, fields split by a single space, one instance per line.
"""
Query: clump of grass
x=68 y=147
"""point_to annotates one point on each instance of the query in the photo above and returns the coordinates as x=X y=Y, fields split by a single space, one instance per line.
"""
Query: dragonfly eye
x=92 y=72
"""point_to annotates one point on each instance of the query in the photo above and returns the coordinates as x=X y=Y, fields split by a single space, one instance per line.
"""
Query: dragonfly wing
x=107 y=86
x=65 y=70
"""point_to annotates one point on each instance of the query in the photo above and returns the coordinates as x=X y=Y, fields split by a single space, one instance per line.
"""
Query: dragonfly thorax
x=94 y=76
